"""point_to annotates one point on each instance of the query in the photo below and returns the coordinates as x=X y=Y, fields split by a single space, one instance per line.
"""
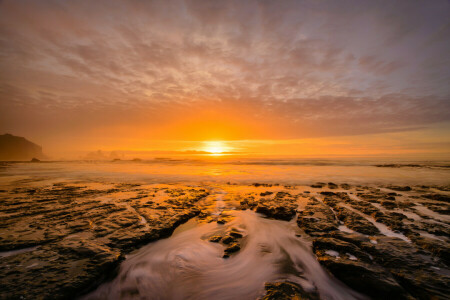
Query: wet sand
x=106 y=239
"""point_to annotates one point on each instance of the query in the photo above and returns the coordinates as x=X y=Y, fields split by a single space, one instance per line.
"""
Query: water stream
x=188 y=266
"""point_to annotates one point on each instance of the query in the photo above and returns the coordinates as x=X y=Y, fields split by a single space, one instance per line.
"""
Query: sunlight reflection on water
x=238 y=171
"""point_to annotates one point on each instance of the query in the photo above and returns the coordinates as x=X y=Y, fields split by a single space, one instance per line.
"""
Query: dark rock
x=322 y=244
x=235 y=233
x=410 y=268
x=366 y=278
x=317 y=219
x=438 y=197
x=277 y=212
x=356 y=222
x=400 y=188
x=318 y=185
x=345 y=186
x=18 y=148
x=268 y=193
x=287 y=291
x=280 y=207
x=235 y=247
x=215 y=238
x=332 y=185
x=228 y=239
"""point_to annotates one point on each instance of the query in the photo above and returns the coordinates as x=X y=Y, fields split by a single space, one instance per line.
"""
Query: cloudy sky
x=146 y=75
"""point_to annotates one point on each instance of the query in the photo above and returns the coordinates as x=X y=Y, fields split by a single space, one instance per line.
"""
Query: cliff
x=18 y=148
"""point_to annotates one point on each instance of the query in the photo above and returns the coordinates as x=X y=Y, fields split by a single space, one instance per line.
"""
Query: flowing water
x=188 y=266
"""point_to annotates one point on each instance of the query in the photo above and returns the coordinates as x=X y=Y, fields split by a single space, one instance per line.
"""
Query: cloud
x=286 y=69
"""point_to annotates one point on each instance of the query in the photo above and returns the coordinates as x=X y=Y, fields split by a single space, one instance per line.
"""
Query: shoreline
x=83 y=231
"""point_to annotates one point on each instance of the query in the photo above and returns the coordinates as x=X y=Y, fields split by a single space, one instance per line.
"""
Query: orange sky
x=311 y=78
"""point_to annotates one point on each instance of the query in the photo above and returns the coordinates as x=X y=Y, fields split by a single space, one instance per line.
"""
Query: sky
x=270 y=77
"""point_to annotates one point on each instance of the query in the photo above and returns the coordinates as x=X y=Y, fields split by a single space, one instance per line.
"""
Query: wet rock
x=332 y=185
x=356 y=222
x=287 y=291
x=400 y=188
x=345 y=186
x=436 y=247
x=438 y=197
x=389 y=204
x=215 y=238
x=235 y=233
x=82 y=234
x=57 y=271
x=413 y=270
x=281 y=207
x=317 y=219
x=235 y=247
x=268 y=193
x=318 y=185
x=248 y=203
x=366 y=278
x=322 y=244
x=276 y=212
x=228 y=239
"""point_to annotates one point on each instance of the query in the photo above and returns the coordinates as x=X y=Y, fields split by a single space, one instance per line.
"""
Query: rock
x=287 y=291
x=82 y=234
x=356 y=222
x=57 y=271
x=248 y=203
x=400 y=188
x=317 y=219
x=276 y=212
x=389 y=204
x=215 y=238
x=438 y=197
x=235 y=233
x=366 y=278
x=332 y=185
x=318 y=185
x=235 y=247
x=18 y=148
x=322 y=244
x=345 y=186
x=281 y=207
x=228 y=239
x=410 y=269
x=268 y=193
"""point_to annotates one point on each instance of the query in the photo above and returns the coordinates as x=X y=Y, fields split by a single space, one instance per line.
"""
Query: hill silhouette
x=18 y=148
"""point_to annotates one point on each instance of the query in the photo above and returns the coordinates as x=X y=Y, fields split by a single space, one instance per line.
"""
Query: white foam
x=385 y=230
x=351 y=256
x=332 y=253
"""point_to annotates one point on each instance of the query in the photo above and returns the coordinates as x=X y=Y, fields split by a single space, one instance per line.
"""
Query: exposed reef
x=60 y=240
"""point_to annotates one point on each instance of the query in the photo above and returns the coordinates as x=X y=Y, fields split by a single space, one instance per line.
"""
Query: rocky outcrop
x=367 y=260
x=18 y=148
x=287 y=291
x=282 y=206
x=81 y=234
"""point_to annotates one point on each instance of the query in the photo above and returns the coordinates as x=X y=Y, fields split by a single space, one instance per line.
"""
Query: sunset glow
x=215 y=147
x=207 y=149
x=78 y=77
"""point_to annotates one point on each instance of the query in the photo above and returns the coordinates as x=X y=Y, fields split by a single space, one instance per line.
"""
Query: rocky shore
x=60 y=240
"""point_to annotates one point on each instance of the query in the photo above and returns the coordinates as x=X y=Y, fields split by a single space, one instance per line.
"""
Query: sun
x=215 y=147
